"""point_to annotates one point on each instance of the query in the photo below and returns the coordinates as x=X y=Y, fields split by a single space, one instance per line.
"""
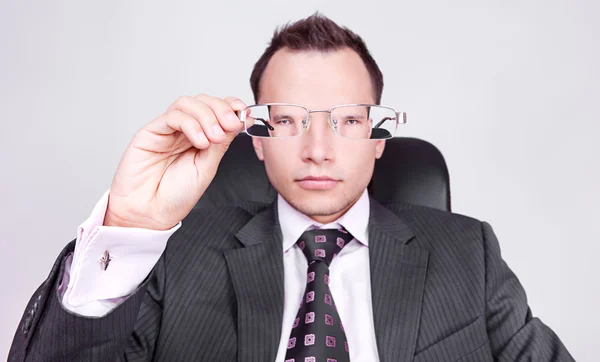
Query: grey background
x=507 y=90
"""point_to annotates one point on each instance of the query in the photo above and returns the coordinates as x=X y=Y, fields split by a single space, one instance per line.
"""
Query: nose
x=318 y=139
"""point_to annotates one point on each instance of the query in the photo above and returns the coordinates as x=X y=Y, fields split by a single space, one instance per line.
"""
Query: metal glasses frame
x=400 y=117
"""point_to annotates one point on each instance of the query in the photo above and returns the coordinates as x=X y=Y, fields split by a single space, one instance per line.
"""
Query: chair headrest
x=410 y=171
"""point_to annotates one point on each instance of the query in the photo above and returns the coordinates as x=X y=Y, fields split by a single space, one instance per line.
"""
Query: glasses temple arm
x=267 y=124
x=382 y=121
x=242 y=116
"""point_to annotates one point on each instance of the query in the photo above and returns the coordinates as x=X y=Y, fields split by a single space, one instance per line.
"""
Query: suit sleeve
x=514 y=334
x=49 y=332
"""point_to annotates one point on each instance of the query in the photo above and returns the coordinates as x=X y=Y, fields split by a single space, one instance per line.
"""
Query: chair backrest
x=411 y=171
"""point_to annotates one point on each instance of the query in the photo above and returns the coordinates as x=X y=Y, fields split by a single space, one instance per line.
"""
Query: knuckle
x=184 y=101
x=202 y=106
x=235 y=102
x=202 y=97
x=173 y=113
x=232 y=99
x=141 y=136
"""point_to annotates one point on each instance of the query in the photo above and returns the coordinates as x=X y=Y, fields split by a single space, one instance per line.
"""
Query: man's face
x=319 y=173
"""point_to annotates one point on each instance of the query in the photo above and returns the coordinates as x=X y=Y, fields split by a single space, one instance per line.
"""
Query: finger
x=178 y=121
x=204 y=116
x=224 y=112
x=192 y=130
x=235 y=103
x=238 y=106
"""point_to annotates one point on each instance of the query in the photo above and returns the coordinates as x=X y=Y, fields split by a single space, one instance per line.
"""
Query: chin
x=319 y=210
x=319 y=203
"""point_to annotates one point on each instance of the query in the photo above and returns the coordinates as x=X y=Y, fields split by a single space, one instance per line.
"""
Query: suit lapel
x=257 y=275
x=398 y=272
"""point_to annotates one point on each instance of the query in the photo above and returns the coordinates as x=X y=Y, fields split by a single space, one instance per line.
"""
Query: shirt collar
x=293 y=223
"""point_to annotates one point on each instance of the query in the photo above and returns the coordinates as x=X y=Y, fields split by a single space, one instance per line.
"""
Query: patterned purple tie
x=318 y=334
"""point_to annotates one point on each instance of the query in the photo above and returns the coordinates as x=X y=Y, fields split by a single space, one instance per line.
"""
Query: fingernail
x=202 y=138
x=216 y=128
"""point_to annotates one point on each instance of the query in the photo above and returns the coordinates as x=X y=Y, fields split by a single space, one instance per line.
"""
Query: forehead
x=318 y=80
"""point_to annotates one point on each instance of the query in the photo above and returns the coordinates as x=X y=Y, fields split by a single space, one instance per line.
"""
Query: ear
x=257 y=143
x=379 y=146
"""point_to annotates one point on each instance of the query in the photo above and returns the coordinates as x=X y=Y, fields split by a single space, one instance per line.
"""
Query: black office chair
x=411 y=171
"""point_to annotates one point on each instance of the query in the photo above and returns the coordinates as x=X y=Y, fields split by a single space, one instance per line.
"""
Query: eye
x=352 y=121
x=284 y=121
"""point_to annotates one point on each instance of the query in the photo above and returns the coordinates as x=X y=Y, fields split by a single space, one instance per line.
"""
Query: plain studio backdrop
x=508 y=91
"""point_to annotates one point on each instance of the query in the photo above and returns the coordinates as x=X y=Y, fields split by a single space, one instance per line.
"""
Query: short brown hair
x=317 y=32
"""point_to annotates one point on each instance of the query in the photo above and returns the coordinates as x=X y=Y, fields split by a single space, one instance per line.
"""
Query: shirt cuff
x=132 y=254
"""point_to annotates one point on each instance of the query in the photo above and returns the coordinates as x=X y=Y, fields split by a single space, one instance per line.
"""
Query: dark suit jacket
x=440 y=289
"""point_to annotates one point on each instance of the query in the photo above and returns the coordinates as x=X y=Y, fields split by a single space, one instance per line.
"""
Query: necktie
x=317 y=333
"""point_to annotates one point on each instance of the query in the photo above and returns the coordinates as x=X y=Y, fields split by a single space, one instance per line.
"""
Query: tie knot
x=323 y=244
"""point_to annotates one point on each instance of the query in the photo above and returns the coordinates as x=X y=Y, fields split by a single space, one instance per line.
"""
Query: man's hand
x=171 y=161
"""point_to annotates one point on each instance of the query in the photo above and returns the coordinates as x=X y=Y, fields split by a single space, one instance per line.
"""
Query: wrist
x=113 y=219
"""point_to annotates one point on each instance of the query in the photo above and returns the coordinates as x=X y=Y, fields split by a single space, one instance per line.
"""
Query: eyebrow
x=354 y=116
x=282 y=116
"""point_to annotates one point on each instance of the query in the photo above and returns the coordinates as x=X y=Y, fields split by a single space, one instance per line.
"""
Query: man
x=323 y=274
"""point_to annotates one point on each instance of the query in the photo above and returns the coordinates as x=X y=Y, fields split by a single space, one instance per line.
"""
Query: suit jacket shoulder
x=436 y=228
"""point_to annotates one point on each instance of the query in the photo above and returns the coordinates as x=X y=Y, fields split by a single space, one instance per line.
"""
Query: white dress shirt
x=91 y=291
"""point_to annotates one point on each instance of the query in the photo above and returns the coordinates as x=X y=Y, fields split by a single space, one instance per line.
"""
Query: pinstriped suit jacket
x=440 y=289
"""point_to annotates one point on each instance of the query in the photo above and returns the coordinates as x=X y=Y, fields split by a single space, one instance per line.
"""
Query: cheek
x=278 y=162
x=357 y=161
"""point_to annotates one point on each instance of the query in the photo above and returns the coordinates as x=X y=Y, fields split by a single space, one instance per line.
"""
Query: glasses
x=355 y=121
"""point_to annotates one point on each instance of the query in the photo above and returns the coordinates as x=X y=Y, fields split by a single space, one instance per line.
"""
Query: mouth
x=317 y=183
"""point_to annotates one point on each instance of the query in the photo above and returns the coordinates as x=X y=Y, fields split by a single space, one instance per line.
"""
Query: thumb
x=237 y=106
x=229 y=137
